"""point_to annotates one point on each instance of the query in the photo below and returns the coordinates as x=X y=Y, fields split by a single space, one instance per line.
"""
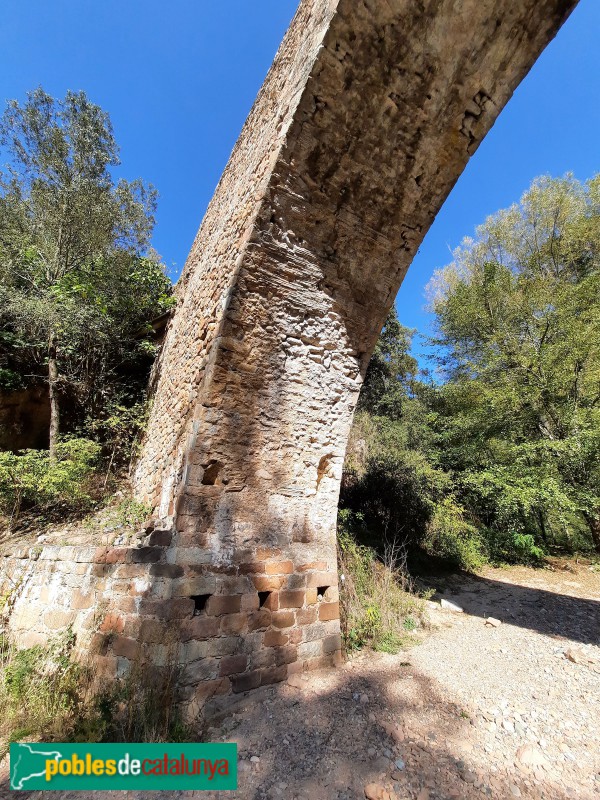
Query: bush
x=33 y=479
x=40 y=691
x=451 y=537
x=45 y=694
x=377 y=609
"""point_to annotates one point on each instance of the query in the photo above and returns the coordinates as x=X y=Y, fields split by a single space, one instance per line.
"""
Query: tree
x=77 y=279
x=518 y=314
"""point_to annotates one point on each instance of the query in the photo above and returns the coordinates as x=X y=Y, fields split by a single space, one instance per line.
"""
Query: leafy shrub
x=40 y=690
x=377 y=610
x=451 y=537
x=45 y=694
x=32 y=478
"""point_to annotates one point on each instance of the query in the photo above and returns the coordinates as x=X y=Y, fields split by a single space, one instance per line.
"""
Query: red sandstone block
x=275 y=639
x=250 y=602
x=254 y=568
x=279 y=568
x=321 y=579
x=329 y=611
x=311 y=596
x=291 y=599
x=175 y=608
x=295 y=636
x=100 y=570
x=267 y=584
x=321 y=566
x=246 y=682
x=232 y=665
x=233 y=623
x=307 y=616
x=223 y=604
x=112 y=623
x=199 y=628
x=128 y=648
x=80 y=601
x=285 y=655
x=273 y=675
x=152 y=630
x=263 y=553
x=283 y=619
x=259 y=619
x=116 y=555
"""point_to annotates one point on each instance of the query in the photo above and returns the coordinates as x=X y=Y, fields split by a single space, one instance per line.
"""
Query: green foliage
x=47 y=695
x=79 y=284
x=500 y=460
x=377 y=610
x=519 y=324
x=40 y=690
x=34 y=479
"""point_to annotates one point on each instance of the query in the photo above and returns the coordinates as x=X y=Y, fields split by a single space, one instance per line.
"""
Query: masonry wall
x=367 y=118
x=135 y=607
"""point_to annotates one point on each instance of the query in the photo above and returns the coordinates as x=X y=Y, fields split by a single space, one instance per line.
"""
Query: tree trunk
x=593 y=521
x=52 y=390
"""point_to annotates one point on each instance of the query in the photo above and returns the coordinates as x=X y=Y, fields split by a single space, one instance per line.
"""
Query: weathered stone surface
x=366 y=119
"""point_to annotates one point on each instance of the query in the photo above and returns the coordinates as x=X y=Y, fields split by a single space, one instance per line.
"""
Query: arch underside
x=367 y=118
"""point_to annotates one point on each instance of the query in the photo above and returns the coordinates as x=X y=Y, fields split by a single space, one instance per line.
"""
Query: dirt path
x=474 y=711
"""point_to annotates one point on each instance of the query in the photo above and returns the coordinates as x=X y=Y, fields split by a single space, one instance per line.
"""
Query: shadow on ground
x=541 y=610
x=327 y=737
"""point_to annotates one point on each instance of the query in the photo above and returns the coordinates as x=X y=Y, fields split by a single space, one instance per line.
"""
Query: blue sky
x=179 y=78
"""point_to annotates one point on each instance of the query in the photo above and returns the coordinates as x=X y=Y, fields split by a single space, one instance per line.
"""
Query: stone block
x=283 y=619
x=314 y=579
x=146 y=555
x=233 y=623
x=175 y=608
x=328 y=611
x=270 y=584
x=275 y=639
x=166 y=571
x=223 y=604
x=279 y=568
x=293 y=599
x=258 y=620
x=204 y=669
x=246 y=682
x=306 y=616
x=200 y=627
x=128 y=648
x=232 y=665
x=271 y=675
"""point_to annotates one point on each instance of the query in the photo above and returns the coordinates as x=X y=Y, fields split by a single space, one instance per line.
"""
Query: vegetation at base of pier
x=47 y=695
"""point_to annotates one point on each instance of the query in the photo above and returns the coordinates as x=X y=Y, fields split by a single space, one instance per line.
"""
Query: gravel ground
x=476 y=710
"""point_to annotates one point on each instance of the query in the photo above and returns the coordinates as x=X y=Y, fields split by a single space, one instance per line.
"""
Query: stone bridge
x=367 y=117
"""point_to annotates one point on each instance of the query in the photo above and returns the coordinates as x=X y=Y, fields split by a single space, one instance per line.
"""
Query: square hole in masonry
x=200 y=601
x=321 y=591
x=263 y=597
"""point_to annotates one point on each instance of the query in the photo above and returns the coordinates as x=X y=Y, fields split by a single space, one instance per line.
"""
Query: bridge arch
x=367 y=118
